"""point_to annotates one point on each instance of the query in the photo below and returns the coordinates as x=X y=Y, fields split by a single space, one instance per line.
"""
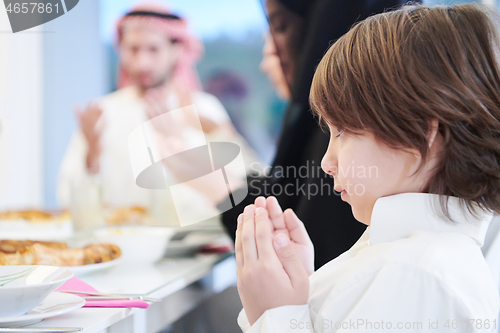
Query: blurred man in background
x=157 y=74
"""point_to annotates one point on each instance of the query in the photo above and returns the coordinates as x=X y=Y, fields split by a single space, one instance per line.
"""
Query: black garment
x=328 y=220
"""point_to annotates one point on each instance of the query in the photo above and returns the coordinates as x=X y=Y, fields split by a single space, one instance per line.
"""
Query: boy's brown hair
x=394 y=72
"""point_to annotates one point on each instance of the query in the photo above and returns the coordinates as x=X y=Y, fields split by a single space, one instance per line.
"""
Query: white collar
x=395 y=217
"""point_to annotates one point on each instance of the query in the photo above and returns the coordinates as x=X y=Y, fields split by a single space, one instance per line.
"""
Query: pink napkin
x=76 y=284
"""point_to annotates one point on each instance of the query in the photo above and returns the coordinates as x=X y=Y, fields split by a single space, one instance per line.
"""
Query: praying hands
x=274 y=258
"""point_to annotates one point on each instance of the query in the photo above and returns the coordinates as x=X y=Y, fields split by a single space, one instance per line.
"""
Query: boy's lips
x=340 y=190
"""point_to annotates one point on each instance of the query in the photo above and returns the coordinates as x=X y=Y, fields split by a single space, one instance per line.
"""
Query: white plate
x=86 y=269
x=55 y=304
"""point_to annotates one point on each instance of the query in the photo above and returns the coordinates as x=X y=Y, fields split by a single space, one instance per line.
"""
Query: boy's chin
x=360 y=215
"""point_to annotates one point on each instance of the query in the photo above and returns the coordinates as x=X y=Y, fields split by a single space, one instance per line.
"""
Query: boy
x=412 y=102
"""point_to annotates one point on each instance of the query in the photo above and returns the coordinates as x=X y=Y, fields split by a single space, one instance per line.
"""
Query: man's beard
x=161 y=81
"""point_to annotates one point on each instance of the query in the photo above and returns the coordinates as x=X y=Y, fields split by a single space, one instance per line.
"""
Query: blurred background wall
x=74 y=71
x=21 y=113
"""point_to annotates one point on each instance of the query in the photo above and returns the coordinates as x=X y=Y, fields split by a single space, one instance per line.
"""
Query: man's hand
x=156 y=105
x=167 y=124
x=88 y=119
x=289 y=224
x=269 y=272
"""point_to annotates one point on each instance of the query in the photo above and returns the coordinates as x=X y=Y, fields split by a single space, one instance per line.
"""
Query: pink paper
x=76 y=284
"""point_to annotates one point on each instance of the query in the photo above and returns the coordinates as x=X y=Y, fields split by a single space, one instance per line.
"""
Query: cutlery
x=110 y=296
x=40 y=329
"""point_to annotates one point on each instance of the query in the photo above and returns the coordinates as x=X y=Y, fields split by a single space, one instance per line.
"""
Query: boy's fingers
x=275 y=213
x=263 y=233
x=237 y=243
x=260 y=202
x=248 y=234
x=290 y=261
x=295 y=227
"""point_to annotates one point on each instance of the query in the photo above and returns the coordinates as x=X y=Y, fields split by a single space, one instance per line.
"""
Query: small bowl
x=139 y=244
x=24 y=287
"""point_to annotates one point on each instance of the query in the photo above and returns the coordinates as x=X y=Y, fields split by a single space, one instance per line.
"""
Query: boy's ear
x=433 y=130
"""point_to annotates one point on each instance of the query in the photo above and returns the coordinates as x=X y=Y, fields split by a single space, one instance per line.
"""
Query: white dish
x=55 y=304
x=86 y=269
x=139 y=244
x=24 y=287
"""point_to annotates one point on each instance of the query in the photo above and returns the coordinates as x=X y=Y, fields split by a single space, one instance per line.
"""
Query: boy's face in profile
x=366 y=169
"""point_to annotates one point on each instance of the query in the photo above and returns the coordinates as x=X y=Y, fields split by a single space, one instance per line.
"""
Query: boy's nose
x=329 y=165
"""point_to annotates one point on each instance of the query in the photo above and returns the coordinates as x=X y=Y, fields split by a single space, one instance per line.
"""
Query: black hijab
x=325 y=22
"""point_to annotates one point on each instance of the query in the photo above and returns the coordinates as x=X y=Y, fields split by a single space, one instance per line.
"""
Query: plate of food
x=81 y=260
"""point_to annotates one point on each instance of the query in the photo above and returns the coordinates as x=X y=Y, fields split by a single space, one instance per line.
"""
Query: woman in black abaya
x=302 y=31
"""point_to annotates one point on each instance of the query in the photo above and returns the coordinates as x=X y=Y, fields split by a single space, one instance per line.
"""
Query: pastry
x=43 y=254
x=12 y=246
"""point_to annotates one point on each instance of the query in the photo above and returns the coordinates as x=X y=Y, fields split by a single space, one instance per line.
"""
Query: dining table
x=181 y=283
